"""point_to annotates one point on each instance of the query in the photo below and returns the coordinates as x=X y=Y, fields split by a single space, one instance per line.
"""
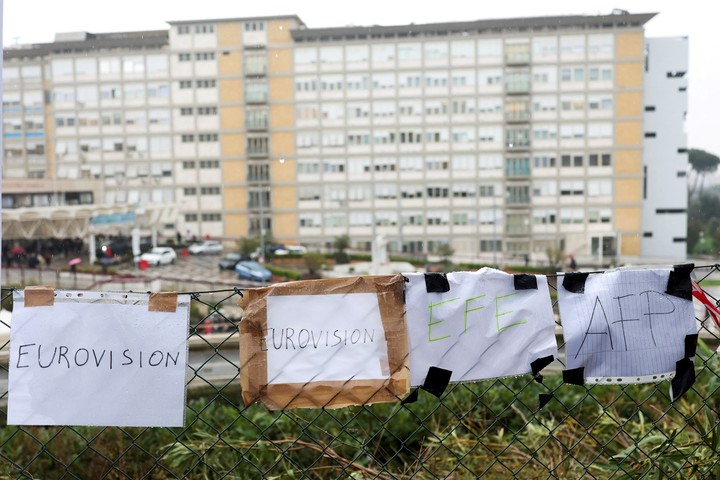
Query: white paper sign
x=97 y=359
x=624 y=328
x=314 y=338
x=481 y=328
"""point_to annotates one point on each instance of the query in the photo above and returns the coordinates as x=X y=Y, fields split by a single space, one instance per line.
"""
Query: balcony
x=517 y=116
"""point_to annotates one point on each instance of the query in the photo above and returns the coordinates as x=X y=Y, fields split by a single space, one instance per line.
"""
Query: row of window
x=205 y=217
x=199 y=29
x=202 y=137
x=541 y=48
x=139 y=145
x=513 y=137
x=191 y=191
x=515 y=80
x=186 y=84
x=199 y=56
x=459 y=163
x=515 y=109
x=513 y=193
x=514 y=223
x=93 y=95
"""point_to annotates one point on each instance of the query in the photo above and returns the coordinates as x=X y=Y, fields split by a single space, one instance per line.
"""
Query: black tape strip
x=411 y=398
x=679 y=281
x=538 y=364
x=576 y=376
x=684 y=378
x=575 y=282
x=523 y=281
x=690 y=345
x=437 y=380
x=436 y=283
x=543 y=399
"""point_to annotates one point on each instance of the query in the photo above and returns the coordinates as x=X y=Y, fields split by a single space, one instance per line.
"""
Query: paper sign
x=623 y=327
x=481 y=327
x=91 y=358
x=324 y=343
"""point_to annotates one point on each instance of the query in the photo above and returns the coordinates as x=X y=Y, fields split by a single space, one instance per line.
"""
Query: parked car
x=291 y=250
x=206 y=247
x=252 y=271
x=229 y=261
x=159 y=256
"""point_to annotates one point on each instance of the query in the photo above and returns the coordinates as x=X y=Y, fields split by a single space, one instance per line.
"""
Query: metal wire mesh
x=492 y=428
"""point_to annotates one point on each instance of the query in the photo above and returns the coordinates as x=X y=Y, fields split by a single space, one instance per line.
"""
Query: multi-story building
x=504 y=138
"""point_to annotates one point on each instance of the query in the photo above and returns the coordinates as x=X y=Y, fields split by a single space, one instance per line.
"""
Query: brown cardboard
x=253 y=356
x=39 y=296
x=162 y=302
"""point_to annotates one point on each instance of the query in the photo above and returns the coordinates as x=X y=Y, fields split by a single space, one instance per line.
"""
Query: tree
x=248 y=246
x=314 y=262
x=445 y=251
x=340 y=244
x=702 y=163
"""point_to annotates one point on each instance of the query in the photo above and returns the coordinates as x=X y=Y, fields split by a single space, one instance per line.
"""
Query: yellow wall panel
x=628 y=190
x=281 y=116
x=285 y=171
x=628 y=103
x=231 y=64
x=285 y=225
x=630 y=244
x=627 y=219
x=236 y=225
x=234 y=198
x=281 y=88
x=231 y=90
x=628 y=161
x=629 y=75
x=282 y=143
x=233 y=145
x=281 y=61
x=628 y=133
x=232 y=118
x=629 y=45
x=279 y=31
x=284 y=197
x=229 y=34
x=233 y=171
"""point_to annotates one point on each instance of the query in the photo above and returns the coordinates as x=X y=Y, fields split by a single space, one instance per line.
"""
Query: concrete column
x=91 y=247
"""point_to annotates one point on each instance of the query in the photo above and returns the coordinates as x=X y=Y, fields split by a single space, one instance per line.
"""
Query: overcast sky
x=33 y=21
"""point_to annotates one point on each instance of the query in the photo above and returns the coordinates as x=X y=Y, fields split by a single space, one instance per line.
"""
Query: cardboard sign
x=324 y=343
x=478 y=325
x=625 y=326
x=91 y=358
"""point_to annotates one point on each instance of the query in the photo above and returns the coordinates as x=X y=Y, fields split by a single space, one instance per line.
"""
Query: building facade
x=504 y=138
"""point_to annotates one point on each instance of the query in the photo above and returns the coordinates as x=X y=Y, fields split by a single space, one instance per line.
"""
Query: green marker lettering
x=431 y=323
x=471 y=310
x=500 y=314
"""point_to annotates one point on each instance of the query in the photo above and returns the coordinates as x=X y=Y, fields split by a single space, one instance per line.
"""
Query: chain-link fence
x=492 y=428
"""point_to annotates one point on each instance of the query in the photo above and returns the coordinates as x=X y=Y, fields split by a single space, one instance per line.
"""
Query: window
x=158 y=90
x=209 y=190
x=183 y=29
x=211 y=217
x=599 y=188
x=254 y=26
x=208 y=137
x=188 y=164
x=437 y=192
x=209 y=163
x=572 y=215
x=572 y=187
x=204 y=56
x=544 y=161
x=189 y=191
x=544 y=216
x=186 y=111
x=134 y=64
x=184 y=57
x=61 y=69
x=515 y=167
x=205 y=28
x=185 y=84
x=487 y=190
x=490 y=245
x=205 y=83
x=207 y=110
x=464 y=190
x=411 y=164
x=411 y=191
x=191 y=217
x=187 y=138
x=601 y=215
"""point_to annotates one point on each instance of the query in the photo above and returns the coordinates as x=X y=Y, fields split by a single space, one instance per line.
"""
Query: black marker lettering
x=51 y=360
x=276 y=346
x=128 y=357
x=87 y=357
x=21 y=353
x=369 y=334
x=97 y=361
x=650 y=313
x=63 y=354
x=168 y=357
x=288 y=338
x=152 y=355
x=623 y=319
x=354 y=340
x=335 y=334
x=588 y=332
